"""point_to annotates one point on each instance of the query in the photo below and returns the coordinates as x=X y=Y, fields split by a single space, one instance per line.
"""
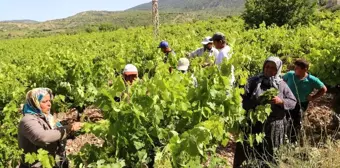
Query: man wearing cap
x=207 y=47
x=183 y=66
x=222 y=46
x=164 y=46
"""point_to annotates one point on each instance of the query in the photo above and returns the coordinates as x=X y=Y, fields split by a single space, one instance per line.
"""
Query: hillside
x=171 y=11
x=120 y=19
x=193 y=4
x=19 y=21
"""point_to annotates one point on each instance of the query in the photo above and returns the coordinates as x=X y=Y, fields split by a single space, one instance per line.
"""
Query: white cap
x=206 y=40
x=183 y=64
x=130 y=69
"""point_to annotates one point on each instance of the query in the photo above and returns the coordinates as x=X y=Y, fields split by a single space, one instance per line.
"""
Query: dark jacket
x=278 y=112
x=35 y=133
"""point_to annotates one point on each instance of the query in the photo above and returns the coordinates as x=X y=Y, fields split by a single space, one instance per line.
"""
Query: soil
x=321 y=122
x=228 y=152
x=74 y=144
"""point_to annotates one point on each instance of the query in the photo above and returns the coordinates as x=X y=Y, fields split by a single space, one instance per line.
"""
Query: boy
x=302 y=84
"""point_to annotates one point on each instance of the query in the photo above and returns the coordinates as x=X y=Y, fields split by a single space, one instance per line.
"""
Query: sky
x=42 y=10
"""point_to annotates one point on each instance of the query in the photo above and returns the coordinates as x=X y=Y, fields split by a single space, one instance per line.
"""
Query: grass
x=325 y=156
x=320 y=147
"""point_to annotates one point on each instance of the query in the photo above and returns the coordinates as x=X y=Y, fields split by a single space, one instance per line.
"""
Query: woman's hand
x=278 y=101
x=76 y=126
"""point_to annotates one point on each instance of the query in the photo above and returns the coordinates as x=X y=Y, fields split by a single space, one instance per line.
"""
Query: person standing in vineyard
x=207 y=48
x=130 y=75
x=302 y=85
x=164 y=46
x=170 y=55
x=183 y=66
x=39 y=130
x=222 y=46
x=274 y=125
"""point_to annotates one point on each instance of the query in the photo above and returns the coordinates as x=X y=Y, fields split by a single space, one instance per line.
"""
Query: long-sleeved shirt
x=35 y=133
x=224 y=53
x=166 y=56
x=278 y=111
x=199 y=52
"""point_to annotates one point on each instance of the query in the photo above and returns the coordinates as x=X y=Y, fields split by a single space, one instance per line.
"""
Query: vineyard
x=163 y=120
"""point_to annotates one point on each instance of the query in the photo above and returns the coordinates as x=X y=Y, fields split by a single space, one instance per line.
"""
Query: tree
x=107 y=27
x=279 y=12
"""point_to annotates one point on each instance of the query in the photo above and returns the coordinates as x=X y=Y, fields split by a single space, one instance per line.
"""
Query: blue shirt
x=304 y=87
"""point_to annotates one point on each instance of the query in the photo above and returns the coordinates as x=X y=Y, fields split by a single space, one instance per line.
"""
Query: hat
x=217 y=37
x=163 y=44
x=130 y=69
x=183 y=64
x=206 y=40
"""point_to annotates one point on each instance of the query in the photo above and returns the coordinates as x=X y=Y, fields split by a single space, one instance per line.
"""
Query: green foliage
x=46 y=160
x=162 y=119
x=107 y=27
x=102 y=164
x=262 y=111
x=184 y=5
x=291 y=12
x=158 y=115
x=9 y=151
x=268 y=95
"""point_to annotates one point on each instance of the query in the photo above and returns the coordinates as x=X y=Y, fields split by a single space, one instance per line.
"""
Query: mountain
x=171 y=11
x=193 y=5
x=19 y=21
x=92 y=18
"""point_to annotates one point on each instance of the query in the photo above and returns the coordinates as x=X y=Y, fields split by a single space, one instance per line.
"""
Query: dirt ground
x=321 y=121
x=74 y=144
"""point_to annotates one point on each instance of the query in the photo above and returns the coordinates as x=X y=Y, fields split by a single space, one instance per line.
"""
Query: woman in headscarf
x=38 y=129
x=274 y=126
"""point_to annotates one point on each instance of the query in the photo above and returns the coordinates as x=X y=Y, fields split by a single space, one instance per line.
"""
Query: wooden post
x=329 y=3
x=155 y=18
x=332 y=3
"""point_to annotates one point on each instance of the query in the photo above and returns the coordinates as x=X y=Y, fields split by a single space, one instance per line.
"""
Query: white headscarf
x=273 y=81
